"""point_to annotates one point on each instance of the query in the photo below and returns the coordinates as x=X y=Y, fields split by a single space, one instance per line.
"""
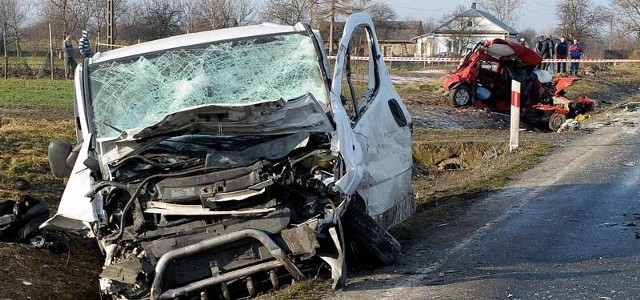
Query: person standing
x=546 y=52
x=552 y=51
x=69 y=60
x=83 y=44
x=575 y=52
x=562 y=50
x=539 y=48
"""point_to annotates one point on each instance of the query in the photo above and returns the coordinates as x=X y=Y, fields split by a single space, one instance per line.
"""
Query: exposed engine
x=223 y=210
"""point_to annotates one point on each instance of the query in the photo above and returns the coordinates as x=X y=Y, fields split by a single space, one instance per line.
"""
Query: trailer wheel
x=556 y=120
x=461 y=96
x=368 y=238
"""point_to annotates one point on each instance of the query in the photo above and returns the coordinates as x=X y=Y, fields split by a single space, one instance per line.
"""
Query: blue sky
x=537 y=14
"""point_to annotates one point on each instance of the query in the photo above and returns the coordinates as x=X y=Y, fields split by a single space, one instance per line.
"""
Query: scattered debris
x=570 y=125
x=20 y=222
x=631 y=106
x=491 y=155
x=582 y=117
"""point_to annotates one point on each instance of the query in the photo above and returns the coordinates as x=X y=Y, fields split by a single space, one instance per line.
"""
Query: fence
x=36 y=63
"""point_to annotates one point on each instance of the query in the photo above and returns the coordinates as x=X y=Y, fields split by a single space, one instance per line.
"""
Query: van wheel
x=556 y=120
x=367 y=238
x=461 y=96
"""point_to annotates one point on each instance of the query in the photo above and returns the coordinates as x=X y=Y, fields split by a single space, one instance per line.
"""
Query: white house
x=462 y=32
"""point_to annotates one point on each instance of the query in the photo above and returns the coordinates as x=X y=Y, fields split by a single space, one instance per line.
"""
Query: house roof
x=494 y=20
x=387 y=31
x=398 y=30
x=473 y=13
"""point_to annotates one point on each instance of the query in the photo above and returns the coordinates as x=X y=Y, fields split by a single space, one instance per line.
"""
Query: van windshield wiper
x=123 y=134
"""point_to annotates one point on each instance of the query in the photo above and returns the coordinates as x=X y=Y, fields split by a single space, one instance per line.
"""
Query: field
x=453 y=168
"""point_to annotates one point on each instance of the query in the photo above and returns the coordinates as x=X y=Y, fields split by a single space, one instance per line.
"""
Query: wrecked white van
x=218 y=162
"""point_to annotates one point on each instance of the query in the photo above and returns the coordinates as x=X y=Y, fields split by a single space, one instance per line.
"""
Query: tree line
x=615 y=26
x=142 y=20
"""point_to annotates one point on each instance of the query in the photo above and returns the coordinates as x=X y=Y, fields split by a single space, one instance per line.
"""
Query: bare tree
x=14 y=13
x=627 y=16
x=191 y=15
x=506 y=11
x=287 y=11
x=581 y=19
x=380 y=11
x=154 y=19
x=429 y=24
x=226 y=13
x=70 y=15
x=529 y=34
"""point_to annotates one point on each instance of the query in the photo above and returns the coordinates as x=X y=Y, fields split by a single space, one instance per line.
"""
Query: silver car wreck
x=229 y=158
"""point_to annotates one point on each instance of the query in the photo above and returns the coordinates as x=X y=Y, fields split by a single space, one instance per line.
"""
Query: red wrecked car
x=484 y=76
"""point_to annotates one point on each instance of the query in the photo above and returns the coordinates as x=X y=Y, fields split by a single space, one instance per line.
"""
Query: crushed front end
x=196 y=211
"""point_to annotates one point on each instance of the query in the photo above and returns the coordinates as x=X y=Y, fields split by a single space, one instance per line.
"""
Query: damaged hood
x=303 y=114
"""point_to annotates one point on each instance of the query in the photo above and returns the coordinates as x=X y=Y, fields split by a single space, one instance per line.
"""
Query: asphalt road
x=564 y=230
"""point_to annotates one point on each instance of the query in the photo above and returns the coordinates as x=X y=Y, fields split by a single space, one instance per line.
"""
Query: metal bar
x=4 y=46
x=262 y=237
x=51 y=51
x=199 y=285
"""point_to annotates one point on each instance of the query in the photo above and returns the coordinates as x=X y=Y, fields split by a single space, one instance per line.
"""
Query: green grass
x=36 y=93
x=32 y=61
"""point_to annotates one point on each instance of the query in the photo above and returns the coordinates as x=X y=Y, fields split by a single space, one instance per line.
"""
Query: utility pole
x=610 y=31
x=333 y=20
x=110 y=25
x=51 y=66
x=4 y=46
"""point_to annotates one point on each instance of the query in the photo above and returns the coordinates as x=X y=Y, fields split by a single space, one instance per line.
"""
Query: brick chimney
x=473 y=5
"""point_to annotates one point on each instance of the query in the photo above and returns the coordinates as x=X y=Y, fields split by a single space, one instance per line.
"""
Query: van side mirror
x=62 y=157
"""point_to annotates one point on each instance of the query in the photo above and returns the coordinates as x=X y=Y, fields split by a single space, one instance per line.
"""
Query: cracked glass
x=139 y=92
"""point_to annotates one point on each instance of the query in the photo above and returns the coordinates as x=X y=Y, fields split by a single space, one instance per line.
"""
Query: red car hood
x=563 y=82
x=501 y=49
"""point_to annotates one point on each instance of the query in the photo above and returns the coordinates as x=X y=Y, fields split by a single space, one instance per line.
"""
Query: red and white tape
x=457 y=60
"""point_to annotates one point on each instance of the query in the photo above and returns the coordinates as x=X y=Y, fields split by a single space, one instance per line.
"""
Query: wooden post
x=51 y=51
x=4 y=46
x=515 y=115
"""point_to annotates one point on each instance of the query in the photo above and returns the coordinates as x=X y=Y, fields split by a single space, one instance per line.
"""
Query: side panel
x=382 y=131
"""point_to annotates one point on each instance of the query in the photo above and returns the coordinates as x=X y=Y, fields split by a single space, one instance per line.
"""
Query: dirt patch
x=41 y=114
x=26 y=273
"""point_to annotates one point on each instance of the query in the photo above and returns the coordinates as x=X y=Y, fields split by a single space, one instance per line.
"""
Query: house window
x=469 y=23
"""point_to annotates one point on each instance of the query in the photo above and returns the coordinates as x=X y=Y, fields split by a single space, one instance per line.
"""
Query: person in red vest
x=575 y=52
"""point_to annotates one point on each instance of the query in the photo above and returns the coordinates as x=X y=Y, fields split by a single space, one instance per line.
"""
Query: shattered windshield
x=139 y=92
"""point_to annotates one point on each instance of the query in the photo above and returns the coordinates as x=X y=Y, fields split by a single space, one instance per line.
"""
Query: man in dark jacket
x=69 y=60
x=551 y=53
x=562 y=50
x=545 y=52
x=540 y=48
